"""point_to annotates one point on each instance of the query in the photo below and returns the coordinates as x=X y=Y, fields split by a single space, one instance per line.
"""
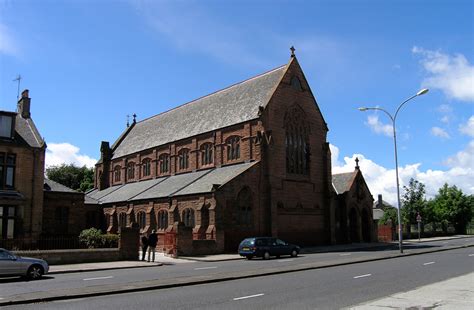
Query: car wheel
x=249 y=257
x=35 y=272
x=266 y=255
x=294 y=253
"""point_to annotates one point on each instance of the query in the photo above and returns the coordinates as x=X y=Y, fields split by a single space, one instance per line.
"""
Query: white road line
x=203 y=268
x=429 y=263
x=1 y=298
x=471 y=254
x=251 y=296
x=345 y=254
x=363 y=276
x=284 y=260
x=99 y=278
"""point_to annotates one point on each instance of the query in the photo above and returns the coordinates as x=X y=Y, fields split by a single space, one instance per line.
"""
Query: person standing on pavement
x=152 y=241
x=144 y=241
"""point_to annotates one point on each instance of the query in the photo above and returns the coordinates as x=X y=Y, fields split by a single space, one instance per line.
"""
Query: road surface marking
x=284 y=260
x=251 y=296
x=363 y=276
x=471 y=254
x=99 y=278
x=429 y=263
x=345 y=254
x=1 y=298
x=203 y=268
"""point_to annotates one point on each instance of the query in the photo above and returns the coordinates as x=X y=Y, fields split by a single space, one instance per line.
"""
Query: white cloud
x=440 y=133
x=454 y=75
x=445 y=109
x=8 y=45
x=65 y=153
x=379 y=127
x=468 y=128
x=382 y=180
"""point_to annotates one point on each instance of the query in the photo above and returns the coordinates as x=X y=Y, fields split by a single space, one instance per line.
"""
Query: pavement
x=456 y=293
x=165 y=260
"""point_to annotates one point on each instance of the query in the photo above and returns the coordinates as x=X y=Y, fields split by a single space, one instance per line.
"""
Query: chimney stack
x=380 y=201
x=24 y=104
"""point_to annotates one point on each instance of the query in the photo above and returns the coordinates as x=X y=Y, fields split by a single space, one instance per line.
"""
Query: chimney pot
x=25 y=93
x=24 y=104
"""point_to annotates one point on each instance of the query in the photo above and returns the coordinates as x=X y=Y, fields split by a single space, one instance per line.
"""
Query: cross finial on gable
x=357 y=162
x=292 y=49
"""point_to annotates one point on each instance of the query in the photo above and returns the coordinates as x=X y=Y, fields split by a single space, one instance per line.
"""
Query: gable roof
x=197 y=182
x=52 y=186
x=342 y=182
x=26 y=129
x=233 y=105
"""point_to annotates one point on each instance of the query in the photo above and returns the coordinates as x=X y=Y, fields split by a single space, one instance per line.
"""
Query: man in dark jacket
x=152 y=241
x=144 y=241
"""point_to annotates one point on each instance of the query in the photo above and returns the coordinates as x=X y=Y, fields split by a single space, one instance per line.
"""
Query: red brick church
x=248 y=160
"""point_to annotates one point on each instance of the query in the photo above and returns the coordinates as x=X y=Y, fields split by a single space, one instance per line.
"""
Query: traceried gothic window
x=183 y=161
x=141 y=219
x=146 y=166
x=122 y=220
x=244 y=214
x=164 y=162
x=188 y=217
x=296 y=141
x=206 y=154
x=162 y=219
x=233 y=148
x=131 y=171
x=117 y=173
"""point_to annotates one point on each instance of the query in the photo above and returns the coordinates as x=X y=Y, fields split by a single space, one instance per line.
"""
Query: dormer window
x=6 y=126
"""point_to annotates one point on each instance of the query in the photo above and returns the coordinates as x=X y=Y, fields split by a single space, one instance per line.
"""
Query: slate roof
x=235 y=104
x=197 y=182
x=342 y=182
x=52 y=186
x=26 y=128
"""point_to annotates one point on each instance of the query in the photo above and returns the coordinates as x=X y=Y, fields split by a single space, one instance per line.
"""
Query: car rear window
x=248 y=242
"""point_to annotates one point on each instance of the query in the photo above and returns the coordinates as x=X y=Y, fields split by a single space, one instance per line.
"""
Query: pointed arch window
x=164 y=162
x=296 y=84
x=146 y=167
x=130 y=171
x=162 y=219
x=233 y=148
x=188 y=217
x=183 y=159
x=141 y=219
x=244 y=208
x=296 y=141
x=206 y=154
x=122 y=220
x=117 y=173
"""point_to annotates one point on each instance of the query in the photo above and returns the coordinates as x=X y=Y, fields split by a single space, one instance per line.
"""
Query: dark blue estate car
x=265 y=247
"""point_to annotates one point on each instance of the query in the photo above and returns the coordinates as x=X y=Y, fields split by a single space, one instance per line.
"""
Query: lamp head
x=362 y=109
x=422 y=92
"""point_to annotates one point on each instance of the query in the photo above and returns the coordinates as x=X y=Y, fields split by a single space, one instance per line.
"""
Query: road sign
x=418 y=218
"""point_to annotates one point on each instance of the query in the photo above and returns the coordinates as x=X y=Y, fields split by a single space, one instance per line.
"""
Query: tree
x=452 y=206
x=413 y=201
x=77 y=178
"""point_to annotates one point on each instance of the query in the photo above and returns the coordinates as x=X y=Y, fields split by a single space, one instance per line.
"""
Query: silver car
x=12 y=265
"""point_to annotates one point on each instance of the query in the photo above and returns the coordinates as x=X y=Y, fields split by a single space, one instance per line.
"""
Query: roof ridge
x=215 y=92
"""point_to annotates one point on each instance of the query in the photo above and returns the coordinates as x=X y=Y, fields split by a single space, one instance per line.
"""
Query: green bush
x=93 y=238
x=110 y=241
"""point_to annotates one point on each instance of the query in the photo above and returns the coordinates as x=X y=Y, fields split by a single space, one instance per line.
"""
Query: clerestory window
x=233 y=148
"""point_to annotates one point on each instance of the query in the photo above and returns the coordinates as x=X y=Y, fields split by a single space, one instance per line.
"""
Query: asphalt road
x=327 y=288
x=10 y=287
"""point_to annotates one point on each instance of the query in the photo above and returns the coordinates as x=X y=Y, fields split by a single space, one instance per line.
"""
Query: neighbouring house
x=385 y=232
x=248 y=160
x=31 y=206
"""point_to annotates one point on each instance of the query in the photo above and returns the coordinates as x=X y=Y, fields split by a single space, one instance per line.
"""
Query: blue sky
x=89 y=63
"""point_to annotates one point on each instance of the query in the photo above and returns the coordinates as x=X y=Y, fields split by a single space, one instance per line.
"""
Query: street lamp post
x=393 y=119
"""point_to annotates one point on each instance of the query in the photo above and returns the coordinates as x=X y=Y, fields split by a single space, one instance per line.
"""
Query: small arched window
x=244 y=208
x=146 y=167
x=188 y=217
x=206 y=154
x=164 y=162
x=296 y=84
x=122 y=220
x=183 y=156
x=233 y=148
x=162 y=219
x=131 y=171
x=117 y=173
x=141 y=219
